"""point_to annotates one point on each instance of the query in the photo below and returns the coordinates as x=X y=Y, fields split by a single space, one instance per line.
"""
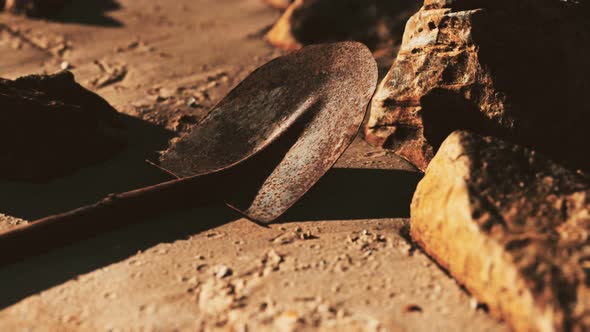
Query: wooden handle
x=112 y=212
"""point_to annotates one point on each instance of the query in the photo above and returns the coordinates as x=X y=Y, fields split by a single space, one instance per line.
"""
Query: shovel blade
x=294 y=117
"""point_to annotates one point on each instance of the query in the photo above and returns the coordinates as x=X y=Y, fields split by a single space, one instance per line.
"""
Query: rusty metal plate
x=287 y=124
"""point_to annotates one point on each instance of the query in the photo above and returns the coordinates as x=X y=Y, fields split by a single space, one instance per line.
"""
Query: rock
x=272 y=260
x=216 y=297
x=222 y=271
x=34 y=7
x=50 y=126
x=511 y=226
x=281 y=35
x=372 y=22
x=514 y=69
x=110 y=73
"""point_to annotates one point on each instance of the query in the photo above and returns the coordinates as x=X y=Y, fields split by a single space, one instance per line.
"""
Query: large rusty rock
x=511 y=226
x=372 y=22
x=50 y=125
x=515 y=69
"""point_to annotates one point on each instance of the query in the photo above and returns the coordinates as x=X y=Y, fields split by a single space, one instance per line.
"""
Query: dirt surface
x=339 y=260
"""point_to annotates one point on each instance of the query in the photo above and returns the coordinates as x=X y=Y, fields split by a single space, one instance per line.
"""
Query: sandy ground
x=339 y=260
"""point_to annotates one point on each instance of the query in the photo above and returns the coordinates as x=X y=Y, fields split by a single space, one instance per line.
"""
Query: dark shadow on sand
x=343 y=194
x=352 y=194
x=127 y=170
x=52 y=269
x=89 y=12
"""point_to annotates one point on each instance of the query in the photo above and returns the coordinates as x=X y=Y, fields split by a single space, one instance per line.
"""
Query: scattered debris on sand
x=56 y=45
x=179 y=106
x=512 y=227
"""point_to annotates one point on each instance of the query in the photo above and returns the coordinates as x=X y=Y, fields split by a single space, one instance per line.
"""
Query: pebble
x=412 y=308
x=65 y=65
x=222 y=271
x=192 y=102
x=166 y=93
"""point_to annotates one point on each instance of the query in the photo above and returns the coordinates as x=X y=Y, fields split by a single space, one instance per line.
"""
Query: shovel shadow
x=357 y=193
x=343 y=194
x=124 y=171
x=40 y=273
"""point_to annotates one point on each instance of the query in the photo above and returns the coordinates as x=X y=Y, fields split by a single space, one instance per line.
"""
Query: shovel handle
x=110 y=213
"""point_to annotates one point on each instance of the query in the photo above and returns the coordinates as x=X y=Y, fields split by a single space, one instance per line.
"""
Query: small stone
x=110 y=295
x=192 y=102
x=411 y=308
x=215 y=297
x=166 y=93
x=145 y=102
x=65 y=65
x=287 y=321
x=110 y=73
x=222 y=271
x=473 y=304
x=272 y=260
x=437 y=289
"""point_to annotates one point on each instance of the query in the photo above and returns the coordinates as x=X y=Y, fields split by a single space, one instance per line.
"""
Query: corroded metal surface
x=295 y=115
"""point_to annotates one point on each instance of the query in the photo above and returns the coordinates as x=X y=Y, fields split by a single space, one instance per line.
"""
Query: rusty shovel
x=258 y=151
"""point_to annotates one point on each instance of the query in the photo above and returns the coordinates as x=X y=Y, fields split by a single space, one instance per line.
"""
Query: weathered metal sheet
x=284 y=127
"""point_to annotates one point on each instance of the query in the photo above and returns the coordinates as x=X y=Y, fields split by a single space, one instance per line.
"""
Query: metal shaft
x=112 y=212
